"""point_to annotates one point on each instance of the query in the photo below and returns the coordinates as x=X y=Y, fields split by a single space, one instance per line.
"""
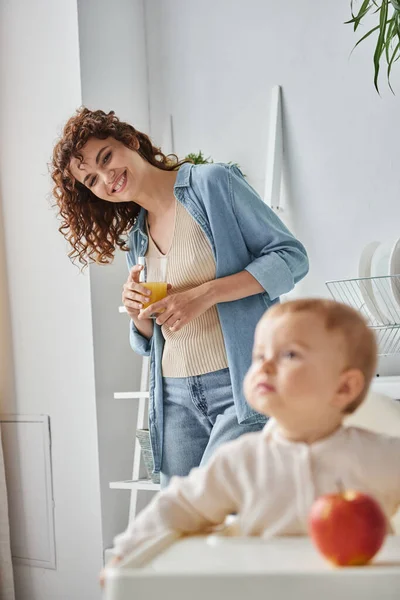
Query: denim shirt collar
x=139 y=223
x=183 y=176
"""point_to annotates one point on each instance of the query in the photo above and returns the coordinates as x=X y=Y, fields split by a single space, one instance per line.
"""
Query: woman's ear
x=351 y=384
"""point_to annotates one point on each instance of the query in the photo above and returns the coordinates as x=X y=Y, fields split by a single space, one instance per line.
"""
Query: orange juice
x=158 y=291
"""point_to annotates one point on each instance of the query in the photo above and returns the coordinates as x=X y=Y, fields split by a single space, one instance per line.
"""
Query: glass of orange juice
x=154 y=277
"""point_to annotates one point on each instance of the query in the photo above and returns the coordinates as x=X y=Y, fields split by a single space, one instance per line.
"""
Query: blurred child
x=313 y=362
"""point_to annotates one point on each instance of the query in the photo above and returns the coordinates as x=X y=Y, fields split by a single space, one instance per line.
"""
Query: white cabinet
x=27 y=458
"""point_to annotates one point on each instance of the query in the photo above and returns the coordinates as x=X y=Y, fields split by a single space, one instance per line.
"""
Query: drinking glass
x=153 y=276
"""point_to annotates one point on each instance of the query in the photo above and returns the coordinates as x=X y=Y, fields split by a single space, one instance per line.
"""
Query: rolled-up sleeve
x=280 y=260
x=139 y=343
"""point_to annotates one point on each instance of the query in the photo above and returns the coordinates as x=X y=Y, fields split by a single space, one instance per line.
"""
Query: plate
x=394 y=269
x=383 y=260
x=364 y=270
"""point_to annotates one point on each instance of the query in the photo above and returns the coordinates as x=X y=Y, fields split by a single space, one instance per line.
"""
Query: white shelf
x=121 y=309
x=138 y=484
x=388 y=386
x=130 y=395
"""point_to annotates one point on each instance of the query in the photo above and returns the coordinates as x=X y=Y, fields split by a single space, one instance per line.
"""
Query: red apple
x=348 y=528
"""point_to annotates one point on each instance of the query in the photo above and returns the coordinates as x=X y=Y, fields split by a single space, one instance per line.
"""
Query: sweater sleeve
x=189 y=504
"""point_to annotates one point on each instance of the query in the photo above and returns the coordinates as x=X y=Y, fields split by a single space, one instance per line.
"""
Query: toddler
x=312 y=364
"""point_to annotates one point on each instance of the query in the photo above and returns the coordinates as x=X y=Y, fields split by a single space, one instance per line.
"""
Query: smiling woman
x=105 y=176
x=93 y=165
x=229 y=259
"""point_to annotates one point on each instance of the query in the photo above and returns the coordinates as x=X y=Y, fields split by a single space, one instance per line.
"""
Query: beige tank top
x=198 y=347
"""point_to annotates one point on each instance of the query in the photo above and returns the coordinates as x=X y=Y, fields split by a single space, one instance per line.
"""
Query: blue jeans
x=199 y=416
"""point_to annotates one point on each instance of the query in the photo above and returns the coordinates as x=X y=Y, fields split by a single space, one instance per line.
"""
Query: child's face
x=298 y=368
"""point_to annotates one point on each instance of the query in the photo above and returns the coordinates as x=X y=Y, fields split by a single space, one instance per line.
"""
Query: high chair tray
x=219 y=568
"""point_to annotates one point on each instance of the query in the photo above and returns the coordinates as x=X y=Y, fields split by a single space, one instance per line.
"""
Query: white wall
x=49 y=303
x=213 y=64
x=7 y=376
x=114 y=77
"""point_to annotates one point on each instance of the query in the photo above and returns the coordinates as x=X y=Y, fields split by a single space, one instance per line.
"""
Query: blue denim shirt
x=244 y=234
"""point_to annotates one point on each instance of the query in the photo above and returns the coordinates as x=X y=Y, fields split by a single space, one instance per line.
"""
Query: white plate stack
x=379 y=269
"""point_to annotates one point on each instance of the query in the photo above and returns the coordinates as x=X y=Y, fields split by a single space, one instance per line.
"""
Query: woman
x=229 y=259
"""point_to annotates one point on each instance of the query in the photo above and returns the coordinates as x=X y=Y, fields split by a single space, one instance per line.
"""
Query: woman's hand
x=180 y=308
x=134 y=295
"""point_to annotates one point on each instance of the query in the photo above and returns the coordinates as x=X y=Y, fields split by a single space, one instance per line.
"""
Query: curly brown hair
x=92 y=226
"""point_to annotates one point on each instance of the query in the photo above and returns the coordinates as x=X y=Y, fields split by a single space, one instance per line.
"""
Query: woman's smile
x=120 y=184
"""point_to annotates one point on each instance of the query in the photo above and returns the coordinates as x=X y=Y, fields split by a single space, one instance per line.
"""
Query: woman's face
x=110 y=170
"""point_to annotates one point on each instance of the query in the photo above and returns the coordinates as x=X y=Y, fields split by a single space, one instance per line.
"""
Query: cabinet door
x=27 y=459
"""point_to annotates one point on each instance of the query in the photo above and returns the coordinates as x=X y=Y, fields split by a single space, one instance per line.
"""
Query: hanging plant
x=387 y=49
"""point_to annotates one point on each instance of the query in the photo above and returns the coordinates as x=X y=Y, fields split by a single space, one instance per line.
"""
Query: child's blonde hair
x=359 y=339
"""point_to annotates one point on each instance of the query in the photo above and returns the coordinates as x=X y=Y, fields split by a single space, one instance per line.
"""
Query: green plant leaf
x=390 y=63
x=380 y=44
x=199 y=159
x=389 y=37
x=365 y=7
x=365 y=36
x=397 y=26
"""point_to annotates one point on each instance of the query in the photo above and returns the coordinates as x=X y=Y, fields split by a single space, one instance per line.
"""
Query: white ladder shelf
x=140 y=480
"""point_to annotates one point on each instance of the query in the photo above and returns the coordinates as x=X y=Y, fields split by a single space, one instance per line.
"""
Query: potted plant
x=199 y=159
x=387 y=16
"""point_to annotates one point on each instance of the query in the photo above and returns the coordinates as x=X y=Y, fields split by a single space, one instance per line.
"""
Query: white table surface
x=215 y=554
x=209 y=568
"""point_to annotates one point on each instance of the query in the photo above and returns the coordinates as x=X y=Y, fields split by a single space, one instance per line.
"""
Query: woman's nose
x=108 y=177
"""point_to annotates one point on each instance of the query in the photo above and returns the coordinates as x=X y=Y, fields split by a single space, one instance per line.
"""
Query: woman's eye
x=92 y=182
x=290 y=354
x=106 y=158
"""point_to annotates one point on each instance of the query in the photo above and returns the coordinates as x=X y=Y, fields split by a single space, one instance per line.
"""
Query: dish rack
x=378 y=300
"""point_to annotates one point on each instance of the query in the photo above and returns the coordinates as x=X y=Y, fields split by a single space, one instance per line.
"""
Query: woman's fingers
x=140 y=289
x=155 y=308
x=134 y=273
x=133 y=292
x=133 y=304
x=162 y=316
x=170 y=320
x=137 y=287
x=175 y=326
